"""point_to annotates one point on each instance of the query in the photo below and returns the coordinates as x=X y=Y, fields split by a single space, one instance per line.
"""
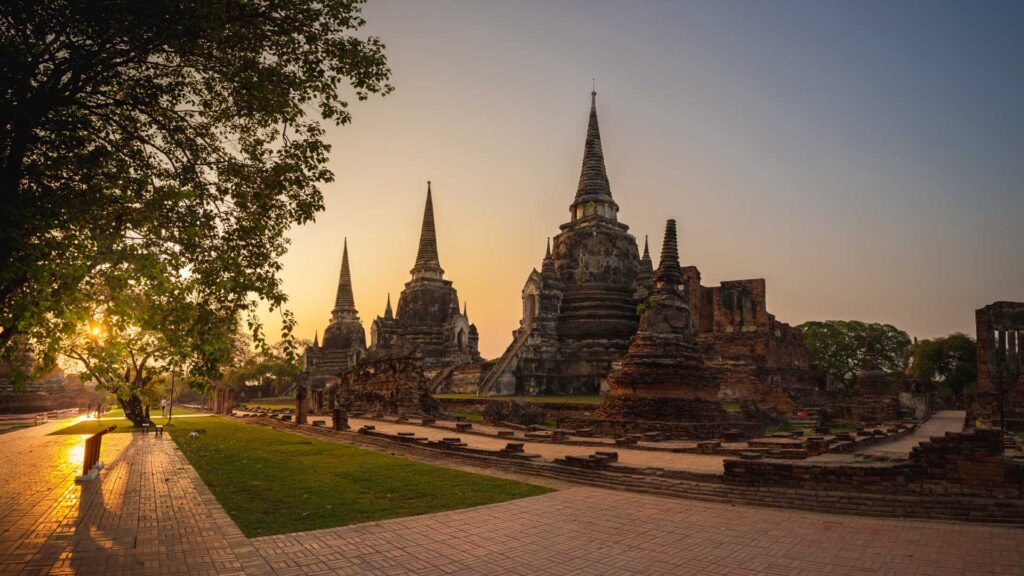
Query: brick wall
x=958 y=464
x=1000 y=333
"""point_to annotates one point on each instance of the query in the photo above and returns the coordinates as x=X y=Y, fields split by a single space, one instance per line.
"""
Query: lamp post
x=170 y=405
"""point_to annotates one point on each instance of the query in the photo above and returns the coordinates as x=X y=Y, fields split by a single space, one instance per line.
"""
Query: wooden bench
x=91 y=464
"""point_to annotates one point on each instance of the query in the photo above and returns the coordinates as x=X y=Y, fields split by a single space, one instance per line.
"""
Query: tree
x=142 y=139
x=135 y=333
x=950 y=363
x=839 y=346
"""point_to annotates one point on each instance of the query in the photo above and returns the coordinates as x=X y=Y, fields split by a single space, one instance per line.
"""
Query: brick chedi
x=344 y=339
x=872 y=400
x=579 y=314
x=662 y=376
x=998 y=398
x=428 y=320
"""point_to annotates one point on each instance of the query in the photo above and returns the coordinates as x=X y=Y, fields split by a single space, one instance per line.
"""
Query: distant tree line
x=949 y=363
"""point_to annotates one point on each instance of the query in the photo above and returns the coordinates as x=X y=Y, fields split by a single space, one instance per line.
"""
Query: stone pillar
x=340 y=419
x=300 y=404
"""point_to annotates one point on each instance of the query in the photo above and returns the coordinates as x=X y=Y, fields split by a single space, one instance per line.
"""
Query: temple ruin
x=580 y=312
x=428 y=320
x=344 y=340
x=872 y=399
x=661 y=384
x=998 y=399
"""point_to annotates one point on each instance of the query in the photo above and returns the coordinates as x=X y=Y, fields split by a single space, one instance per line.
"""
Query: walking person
x=163 y=407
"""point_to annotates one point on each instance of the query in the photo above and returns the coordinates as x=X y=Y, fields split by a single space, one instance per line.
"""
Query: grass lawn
x=273 y=482
x=123 y=424
x=554 y=399
x=270 y=403
x=470 y=416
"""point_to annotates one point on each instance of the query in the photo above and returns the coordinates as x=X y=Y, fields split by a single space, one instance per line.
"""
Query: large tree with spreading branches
x=164 y=147
x=840 y=345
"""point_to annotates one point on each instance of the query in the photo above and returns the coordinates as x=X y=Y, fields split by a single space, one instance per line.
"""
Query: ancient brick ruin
x=22 y=392
x=753 y=356
x=388 y=382
x=998 y=399
x=428 y=318
x=344 y=340
x=580 y=312
x=662 y=378
x=872 y=400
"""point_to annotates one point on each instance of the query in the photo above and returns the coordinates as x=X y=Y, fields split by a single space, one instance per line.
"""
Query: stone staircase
x=501 y=366
x=440 y=378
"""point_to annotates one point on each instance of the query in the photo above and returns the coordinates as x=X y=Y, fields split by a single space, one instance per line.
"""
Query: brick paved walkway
x=582 y=531
x=940 y=423
x=151 y=514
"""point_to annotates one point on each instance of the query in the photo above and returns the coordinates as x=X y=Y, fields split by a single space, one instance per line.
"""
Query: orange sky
x=784 y=151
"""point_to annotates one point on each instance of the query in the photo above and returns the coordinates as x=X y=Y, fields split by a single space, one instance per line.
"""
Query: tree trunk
x=133 y=410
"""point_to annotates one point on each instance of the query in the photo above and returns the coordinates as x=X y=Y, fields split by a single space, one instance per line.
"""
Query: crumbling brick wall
x=955 y=464
x=1000 y=388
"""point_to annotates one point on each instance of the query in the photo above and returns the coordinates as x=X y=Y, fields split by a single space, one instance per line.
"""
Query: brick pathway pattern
x=151 y=514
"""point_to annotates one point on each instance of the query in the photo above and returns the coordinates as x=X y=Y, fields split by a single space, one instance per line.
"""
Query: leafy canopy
x=141 y=140
x=839 y=346
x=950 y=362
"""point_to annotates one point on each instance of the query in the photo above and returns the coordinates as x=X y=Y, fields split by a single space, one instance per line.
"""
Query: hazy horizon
x=862 y=158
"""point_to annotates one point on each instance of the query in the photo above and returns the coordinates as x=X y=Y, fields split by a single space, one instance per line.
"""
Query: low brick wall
x=552 y=410
x=676 y=430
x=958 y=464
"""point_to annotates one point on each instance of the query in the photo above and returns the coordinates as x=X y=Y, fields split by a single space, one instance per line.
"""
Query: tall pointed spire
x=645 y=274
x=547 y=268
x=669 y=273
x=343 y=300
x=387 y=309
x=594 y=193
x=316 y=339
x=465 y=310
x=593 y=176
x=427 y=263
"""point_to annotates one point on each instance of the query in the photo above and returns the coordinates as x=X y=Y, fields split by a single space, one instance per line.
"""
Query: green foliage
x=164 y=148
x=839 y=346
x=650 y=303
x=136 y=331
x=950 y=362
x=273 y=482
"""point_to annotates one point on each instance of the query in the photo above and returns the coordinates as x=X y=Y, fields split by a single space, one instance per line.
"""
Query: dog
x=193 y=434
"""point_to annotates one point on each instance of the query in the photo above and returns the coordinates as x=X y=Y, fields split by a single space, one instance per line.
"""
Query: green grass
x=470 y=416
x=273 y=482
x=123 y=424
x=270 y=403
x=538 y=399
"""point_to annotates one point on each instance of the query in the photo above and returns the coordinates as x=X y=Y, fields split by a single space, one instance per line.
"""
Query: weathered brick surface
x=1000 y=389
x=957 y=464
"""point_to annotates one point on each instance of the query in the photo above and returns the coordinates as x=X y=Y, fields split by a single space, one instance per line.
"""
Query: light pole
x=170 y=405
